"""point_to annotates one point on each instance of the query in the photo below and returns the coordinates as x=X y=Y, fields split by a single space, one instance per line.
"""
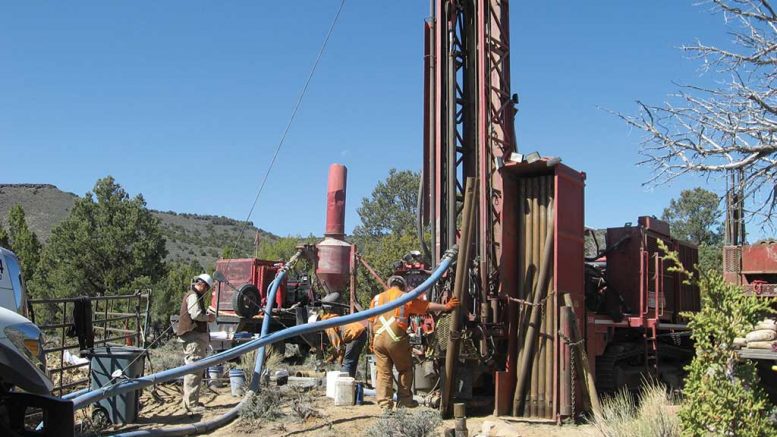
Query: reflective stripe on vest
x=387 y=328
x=399 y=317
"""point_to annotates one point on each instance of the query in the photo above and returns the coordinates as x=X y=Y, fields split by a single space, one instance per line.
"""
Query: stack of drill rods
x=535 y=204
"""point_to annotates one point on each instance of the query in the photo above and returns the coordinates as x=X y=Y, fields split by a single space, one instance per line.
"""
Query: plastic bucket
x=331 y=382
x=345 y=391
x=237 y=382
x=214 y=375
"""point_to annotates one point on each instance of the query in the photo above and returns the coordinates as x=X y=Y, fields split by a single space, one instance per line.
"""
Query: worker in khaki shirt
x=193 y=331
x=347 y=341
x=391 y=344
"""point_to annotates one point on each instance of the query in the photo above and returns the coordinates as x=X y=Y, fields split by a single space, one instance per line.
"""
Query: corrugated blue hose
x=125 y=386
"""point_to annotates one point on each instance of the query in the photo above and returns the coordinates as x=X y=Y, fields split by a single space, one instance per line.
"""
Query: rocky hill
x=190 y=237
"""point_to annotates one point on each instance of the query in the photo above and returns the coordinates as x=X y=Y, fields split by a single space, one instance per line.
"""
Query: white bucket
x=237 y=382
x=372 y=369
x=331 y=382
x=345 y=391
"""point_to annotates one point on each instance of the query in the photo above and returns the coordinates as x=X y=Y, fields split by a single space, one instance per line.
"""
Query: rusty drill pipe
x=462 y=272
x=531 y=333
x=582 y=359
x=543 y=326
x=537 y=236
x=550 y=327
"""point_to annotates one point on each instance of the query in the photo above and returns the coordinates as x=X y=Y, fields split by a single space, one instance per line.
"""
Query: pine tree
x=23 y=241
x=5 y=239
x=106 y=245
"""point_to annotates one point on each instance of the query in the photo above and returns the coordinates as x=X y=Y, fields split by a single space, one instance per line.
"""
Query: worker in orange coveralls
x=347 y=342
x=391 y=344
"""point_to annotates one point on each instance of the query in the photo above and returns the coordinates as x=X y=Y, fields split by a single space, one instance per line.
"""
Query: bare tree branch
x=710 y=131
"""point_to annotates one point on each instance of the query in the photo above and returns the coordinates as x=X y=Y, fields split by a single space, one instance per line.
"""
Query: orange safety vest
x=395 y=321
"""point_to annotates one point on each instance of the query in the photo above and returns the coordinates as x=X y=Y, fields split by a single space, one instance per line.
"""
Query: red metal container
x=754 y=267
x=637 y=270
x=241 y=271
x=334 y=263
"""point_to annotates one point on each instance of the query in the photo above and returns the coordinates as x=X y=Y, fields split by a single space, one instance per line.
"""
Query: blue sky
x=185 y=101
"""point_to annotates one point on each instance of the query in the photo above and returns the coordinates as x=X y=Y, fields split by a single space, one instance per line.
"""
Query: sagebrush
x=261 y=406
x=405 y=423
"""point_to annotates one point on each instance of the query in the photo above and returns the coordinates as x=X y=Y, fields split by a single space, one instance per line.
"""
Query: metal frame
x=126 y=315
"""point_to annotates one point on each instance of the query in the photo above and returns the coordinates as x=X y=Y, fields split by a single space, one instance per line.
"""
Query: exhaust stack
x=334 y=253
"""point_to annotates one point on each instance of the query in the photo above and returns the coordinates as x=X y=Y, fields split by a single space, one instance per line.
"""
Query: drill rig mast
x=469 y=117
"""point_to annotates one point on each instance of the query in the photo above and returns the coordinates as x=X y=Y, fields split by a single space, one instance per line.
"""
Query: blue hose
x=273 y=289
x=210 y=425
x=125 y=386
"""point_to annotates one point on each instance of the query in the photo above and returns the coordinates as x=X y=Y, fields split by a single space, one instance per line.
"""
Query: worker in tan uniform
x=193 y=331
x=347 y=342
x=391 y=344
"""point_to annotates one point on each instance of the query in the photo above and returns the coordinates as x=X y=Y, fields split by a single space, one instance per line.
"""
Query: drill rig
x=469 y=115
x=526 y=266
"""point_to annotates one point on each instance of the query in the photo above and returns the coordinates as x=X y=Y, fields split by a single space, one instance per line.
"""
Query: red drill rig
x=513 y=357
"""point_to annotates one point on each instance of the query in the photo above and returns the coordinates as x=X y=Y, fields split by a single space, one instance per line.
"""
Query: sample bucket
x=214 y=375
x=345 y=391
x=331 y=382
x=237 y=382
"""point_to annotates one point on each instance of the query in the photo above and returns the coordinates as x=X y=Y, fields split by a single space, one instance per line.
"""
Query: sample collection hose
x=271 y=292
x=125 y=386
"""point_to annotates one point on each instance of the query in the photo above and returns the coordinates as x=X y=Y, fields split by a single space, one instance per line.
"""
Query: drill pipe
x=537 y=236
x=462 y=272
x=550 y=327
x=531 y=333
x=541 y=350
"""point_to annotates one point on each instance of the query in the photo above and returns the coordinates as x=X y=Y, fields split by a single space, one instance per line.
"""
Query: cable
x=291 y=120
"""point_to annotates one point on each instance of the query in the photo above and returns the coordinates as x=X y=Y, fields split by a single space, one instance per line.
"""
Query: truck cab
x=13 y=294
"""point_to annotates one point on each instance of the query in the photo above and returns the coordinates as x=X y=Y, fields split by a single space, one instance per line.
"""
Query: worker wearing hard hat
x=347 y=341
x=193 y=330
x=391 y=344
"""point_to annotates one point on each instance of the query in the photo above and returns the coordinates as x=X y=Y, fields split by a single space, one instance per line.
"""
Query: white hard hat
x=205 y=278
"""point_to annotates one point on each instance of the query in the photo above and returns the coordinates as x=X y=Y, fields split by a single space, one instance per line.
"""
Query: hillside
x=190 y=237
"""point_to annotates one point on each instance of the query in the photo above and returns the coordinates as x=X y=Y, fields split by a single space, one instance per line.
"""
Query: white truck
x=24 y=383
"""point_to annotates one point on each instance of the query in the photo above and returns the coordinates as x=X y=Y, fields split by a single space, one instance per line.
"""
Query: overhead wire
x=295 y=110
x=291 y=121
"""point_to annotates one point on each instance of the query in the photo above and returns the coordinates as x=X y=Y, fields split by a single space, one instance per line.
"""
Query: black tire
x=246 y=301
x=100 y=418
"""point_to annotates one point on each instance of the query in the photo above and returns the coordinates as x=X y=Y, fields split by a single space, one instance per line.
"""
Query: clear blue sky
x=185 y=101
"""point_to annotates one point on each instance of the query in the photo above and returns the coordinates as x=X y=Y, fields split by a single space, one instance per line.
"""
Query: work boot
x=387 y=407
x=407 y=403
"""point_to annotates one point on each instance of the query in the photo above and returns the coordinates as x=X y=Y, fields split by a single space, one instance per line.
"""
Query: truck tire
x=246 y=301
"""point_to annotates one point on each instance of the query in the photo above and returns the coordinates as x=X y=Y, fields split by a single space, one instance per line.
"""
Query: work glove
x=451 y=304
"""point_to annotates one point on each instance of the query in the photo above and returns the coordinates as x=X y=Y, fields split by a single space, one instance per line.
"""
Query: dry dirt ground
x=164 y=410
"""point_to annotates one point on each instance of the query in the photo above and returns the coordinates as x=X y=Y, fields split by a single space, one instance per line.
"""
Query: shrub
x=262 y=406
x=404 y=423
x=722 y=394
x=647 y=416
